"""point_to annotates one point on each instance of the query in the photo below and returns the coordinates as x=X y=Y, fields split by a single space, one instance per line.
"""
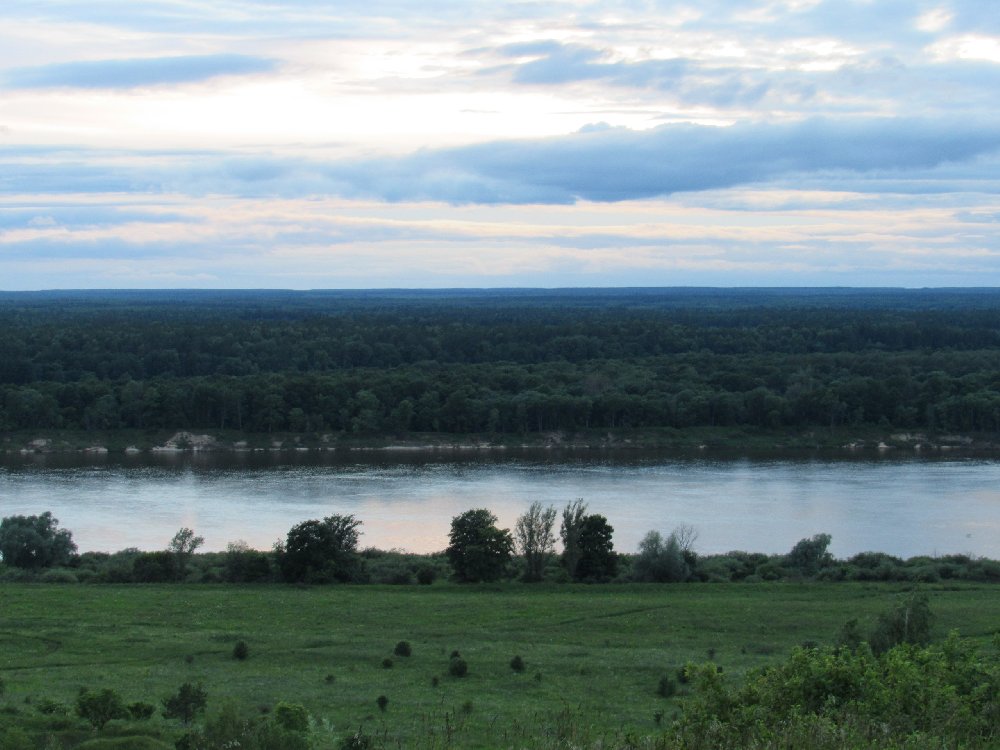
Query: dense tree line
x=323 y=551
x=500 y=365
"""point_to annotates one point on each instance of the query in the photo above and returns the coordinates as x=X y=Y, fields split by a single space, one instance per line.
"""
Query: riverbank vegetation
x=499 y=665
x=490 y=366
x=325 y=551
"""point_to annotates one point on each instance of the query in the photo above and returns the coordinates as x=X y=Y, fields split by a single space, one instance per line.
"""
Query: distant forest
x=492 y=362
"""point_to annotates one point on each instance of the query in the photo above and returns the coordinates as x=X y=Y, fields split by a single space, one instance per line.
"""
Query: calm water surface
x=902 y=506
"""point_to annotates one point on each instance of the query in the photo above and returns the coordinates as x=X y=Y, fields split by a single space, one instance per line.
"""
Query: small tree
x=535 y=540
x=479 y=551
x=598 y=560
x=809 y=555
x=100 y=706
x=908 y=622
x=569 y=531
x=35 y=542
x=182 y=546
x=186 y=703
x=661 y=561
x=321 y=551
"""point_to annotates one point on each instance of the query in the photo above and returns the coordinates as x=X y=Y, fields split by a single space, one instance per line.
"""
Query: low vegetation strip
x=336 y=652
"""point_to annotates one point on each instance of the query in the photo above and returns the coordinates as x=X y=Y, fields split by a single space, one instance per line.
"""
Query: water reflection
x=406 y=500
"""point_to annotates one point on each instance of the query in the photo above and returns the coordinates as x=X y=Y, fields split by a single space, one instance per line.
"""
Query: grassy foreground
x=594 y=654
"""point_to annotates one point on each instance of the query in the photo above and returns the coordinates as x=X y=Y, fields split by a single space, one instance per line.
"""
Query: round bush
x=457 y=667
x=426 y=575
x=387 y=663
x=402 y=649
x=382 y=702
x=241 y=651
x=517 y=664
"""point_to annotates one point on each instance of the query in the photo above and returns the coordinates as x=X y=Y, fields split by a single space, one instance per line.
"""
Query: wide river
x=904 y=506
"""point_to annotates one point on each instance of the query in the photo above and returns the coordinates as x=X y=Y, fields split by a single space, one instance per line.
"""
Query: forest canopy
x=526 y=361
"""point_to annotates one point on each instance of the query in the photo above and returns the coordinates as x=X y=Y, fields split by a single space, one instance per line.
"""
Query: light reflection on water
x=901 y=506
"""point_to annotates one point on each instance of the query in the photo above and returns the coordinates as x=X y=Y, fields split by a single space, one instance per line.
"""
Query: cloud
x=135 y=72
x=620 y=164
x=603 y=165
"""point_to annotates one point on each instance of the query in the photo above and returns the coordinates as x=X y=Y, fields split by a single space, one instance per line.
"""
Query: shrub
x=387 y=663
x=98 y=707
x=291 y=716
x=457 y=667
x=141 y=711
x=241 y=651
x=517 y=664
x=908 y=622
x=58 y=575
x=667 y=686
x=382 y=702
x=426 y=575
x=50 y=707
x=402 y=649
x=186 y=703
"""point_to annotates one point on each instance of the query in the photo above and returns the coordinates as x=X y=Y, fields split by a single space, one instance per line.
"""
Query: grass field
x=594 y=654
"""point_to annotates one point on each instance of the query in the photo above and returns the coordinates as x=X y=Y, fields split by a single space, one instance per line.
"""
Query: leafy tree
x=598 y=560
x=569 y=531
x=809 y=555
x=35 y=542
x=186 y=703
x=321 y=551
x=659 y=560
x=182 y=546
x=534 y=539
x=479 y=551
x=100 y=706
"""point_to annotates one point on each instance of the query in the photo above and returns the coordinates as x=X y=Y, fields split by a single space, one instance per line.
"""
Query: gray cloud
x=135 y=72
x=604 y=164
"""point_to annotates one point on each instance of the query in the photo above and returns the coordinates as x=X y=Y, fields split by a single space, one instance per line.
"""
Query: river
x=903 y=506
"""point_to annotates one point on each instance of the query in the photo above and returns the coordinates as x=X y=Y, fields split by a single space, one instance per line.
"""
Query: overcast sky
x=306 y=144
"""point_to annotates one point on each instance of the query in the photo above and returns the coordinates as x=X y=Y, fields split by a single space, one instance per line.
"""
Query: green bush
x=517 y=664
x=241 y=651
x=667 y=687
x=291 y=716
x=382 y=702
x=141 y=711
x=457 y=667
x=98 y=707
x=403 y=649
x=426 y=575
x=58 y=575
x=186 y=703
x=907 y=697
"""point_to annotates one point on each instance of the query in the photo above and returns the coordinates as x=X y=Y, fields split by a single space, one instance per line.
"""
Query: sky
x=302 y=144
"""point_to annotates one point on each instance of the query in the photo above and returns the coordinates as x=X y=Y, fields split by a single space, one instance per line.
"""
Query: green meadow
x=593 y=655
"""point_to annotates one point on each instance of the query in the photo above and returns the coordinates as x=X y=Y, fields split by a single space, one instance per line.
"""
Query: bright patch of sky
x=252 y=143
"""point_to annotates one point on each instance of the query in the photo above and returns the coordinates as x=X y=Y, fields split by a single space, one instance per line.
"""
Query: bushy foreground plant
x=909 y=696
